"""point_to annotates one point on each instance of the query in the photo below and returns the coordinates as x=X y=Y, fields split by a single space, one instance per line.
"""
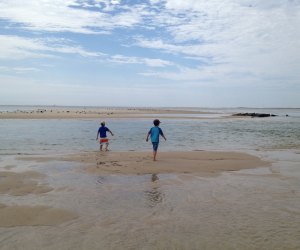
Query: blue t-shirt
x=154 y=133
x=102 y=131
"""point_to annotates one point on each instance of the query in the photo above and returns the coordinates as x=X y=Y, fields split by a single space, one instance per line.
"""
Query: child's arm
x=162 y=134
x=111 y=132
x=97 y=135
x=147 y=138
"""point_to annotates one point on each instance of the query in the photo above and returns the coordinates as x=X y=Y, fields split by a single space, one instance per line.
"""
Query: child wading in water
x=154 y=132
x=103 y=137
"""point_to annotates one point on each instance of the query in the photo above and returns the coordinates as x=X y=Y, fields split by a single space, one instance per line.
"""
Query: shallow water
x=52 y=136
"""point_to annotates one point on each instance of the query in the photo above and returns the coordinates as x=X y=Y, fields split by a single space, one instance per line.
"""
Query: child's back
x=155 y=132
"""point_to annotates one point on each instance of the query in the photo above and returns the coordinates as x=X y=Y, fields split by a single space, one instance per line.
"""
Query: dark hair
x=156 y=122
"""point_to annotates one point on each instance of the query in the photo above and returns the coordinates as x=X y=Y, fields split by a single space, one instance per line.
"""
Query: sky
x=169 y=53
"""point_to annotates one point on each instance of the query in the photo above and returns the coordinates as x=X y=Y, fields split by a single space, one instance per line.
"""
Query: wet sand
x=22 y=184
x=13 y=216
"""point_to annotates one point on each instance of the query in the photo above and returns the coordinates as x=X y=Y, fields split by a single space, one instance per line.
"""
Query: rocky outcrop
x=254 y=114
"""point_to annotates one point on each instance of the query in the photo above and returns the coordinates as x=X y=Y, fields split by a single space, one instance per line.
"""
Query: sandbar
x=195 y=162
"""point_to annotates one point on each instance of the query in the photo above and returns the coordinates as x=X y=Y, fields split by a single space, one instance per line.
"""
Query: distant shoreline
x=109 y=107
x=81 y=113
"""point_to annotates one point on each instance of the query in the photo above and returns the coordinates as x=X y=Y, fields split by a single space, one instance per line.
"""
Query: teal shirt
x=154 y=133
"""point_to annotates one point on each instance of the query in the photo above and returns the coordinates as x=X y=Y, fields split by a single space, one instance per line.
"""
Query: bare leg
x=106 y=147
x=101 y=146
x=154 y=155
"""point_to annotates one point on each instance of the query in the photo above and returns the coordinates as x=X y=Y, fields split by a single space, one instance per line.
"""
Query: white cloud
x=18 y=70
x=157 y=62
x=16 y=47
x=137 y=60
x=71 y=16
x=248 y=37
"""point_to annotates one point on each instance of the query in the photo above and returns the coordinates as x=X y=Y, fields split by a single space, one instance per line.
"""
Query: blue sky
x=228 y=53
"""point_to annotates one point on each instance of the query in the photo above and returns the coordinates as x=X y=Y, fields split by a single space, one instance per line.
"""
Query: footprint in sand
x=116 y=164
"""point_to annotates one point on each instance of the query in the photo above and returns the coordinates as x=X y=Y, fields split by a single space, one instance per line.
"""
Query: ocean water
x=53 y=136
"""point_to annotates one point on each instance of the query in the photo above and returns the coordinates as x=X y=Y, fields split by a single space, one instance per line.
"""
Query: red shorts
x=103 y=140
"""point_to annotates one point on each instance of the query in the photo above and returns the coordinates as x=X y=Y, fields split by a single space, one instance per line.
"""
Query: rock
x=255 y=114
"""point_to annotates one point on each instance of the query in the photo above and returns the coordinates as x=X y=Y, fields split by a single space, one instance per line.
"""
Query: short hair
x=156 y=122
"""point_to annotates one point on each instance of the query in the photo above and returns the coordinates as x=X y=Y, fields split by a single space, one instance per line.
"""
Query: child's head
x=156 y=122
x=103 y=123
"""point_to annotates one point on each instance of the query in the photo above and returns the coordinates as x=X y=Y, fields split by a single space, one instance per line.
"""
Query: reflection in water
x=153 y=196
x=154 y=177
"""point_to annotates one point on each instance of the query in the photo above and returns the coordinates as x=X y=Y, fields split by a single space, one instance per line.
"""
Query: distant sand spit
x=196 y=162
x=80 y=113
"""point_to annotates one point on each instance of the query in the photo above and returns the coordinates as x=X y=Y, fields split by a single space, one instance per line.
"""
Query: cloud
x=248 y=35
x=68 y=16
x=137 y=60
x=16 y=48
x=235 y=37
x=229 y=42
x=18 y=70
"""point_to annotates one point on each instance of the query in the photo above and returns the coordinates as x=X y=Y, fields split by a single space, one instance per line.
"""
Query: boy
x=103 y=137
x=155 y=132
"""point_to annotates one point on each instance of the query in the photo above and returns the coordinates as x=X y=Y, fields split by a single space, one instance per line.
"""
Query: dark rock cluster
x=254 y=114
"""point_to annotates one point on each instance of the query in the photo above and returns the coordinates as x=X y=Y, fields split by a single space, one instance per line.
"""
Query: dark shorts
x=155 y=145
